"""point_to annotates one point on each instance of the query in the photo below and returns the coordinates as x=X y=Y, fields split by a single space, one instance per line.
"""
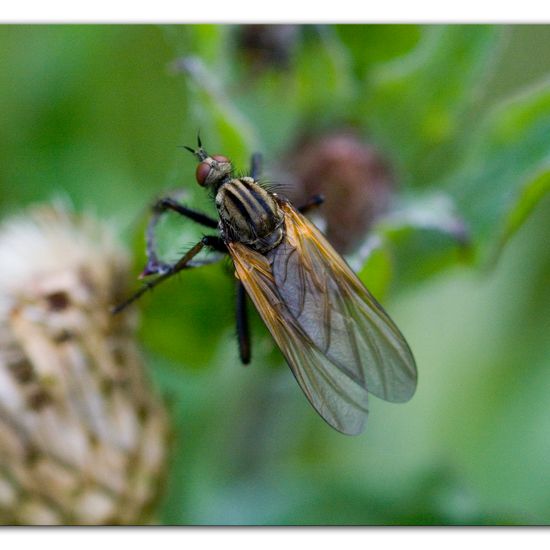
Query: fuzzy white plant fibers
x=82 y=435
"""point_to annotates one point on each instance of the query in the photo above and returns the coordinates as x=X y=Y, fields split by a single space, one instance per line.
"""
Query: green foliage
x=502 y=177
x=418 y=105
x=462 y=113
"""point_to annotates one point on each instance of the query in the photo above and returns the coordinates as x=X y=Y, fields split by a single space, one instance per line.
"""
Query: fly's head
x=213 y=170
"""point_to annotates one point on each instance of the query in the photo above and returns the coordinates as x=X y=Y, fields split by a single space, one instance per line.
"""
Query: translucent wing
x=337 y=339
x=339 y=399
x=339 y=314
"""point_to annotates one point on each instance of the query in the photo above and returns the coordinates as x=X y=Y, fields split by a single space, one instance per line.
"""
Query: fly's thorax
x=249 y=214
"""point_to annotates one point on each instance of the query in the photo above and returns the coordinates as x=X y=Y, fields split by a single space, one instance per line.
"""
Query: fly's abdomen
x=249 y=214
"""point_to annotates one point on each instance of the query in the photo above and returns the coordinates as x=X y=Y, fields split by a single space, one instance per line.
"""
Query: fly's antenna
x=199 y=152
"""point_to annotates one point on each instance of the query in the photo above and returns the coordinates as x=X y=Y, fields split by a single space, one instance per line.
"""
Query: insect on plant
x=338 y=341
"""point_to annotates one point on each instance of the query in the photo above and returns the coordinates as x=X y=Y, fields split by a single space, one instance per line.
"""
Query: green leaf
x=316 y=89
x=227 y=128
x=323 y=75
x=528 y=198
x=186 y=318
x=377 y=266
x=416 y=105
x=209 y=42
x=504 y=174
x=370 y=44
x=424 y=237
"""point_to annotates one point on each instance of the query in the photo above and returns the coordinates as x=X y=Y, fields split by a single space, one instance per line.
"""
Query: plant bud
x=83 y=438
x=352 y=176
x=267 y=46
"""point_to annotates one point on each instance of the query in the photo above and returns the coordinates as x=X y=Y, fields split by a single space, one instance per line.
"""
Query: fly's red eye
x=221 y=158
x=203 y=169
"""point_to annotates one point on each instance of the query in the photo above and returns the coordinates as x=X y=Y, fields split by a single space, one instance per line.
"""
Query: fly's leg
x=243 y=330
x=184 y=262
x=313 y=202
x=255 y=166
x=167 y=203
x=154 y=265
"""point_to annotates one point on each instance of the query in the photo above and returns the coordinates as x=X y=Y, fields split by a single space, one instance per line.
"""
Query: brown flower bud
x=82 y=435
x=354 y=179
x=267 y=46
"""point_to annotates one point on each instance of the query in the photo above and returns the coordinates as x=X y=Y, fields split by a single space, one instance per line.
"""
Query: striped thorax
x=249 y=214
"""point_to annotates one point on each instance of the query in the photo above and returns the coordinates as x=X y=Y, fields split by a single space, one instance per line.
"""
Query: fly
x=337 y=339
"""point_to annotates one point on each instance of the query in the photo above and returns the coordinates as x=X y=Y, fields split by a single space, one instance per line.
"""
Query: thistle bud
x=82 y=435
x=267 y=46
x=353 y=177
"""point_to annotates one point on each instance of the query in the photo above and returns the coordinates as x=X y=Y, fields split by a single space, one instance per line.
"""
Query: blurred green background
x=95 y=114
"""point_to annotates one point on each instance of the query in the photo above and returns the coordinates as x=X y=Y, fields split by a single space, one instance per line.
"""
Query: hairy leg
x=184 y=262
x=243 y=330
x=313 y=202
x=255 y=166
x=154 y=265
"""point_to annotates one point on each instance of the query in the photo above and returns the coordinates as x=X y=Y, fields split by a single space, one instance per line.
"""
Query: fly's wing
x=337 y=313
x=338 y=397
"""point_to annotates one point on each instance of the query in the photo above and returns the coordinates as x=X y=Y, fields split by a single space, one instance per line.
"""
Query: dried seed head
x=82 y=436
x=353 y=177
